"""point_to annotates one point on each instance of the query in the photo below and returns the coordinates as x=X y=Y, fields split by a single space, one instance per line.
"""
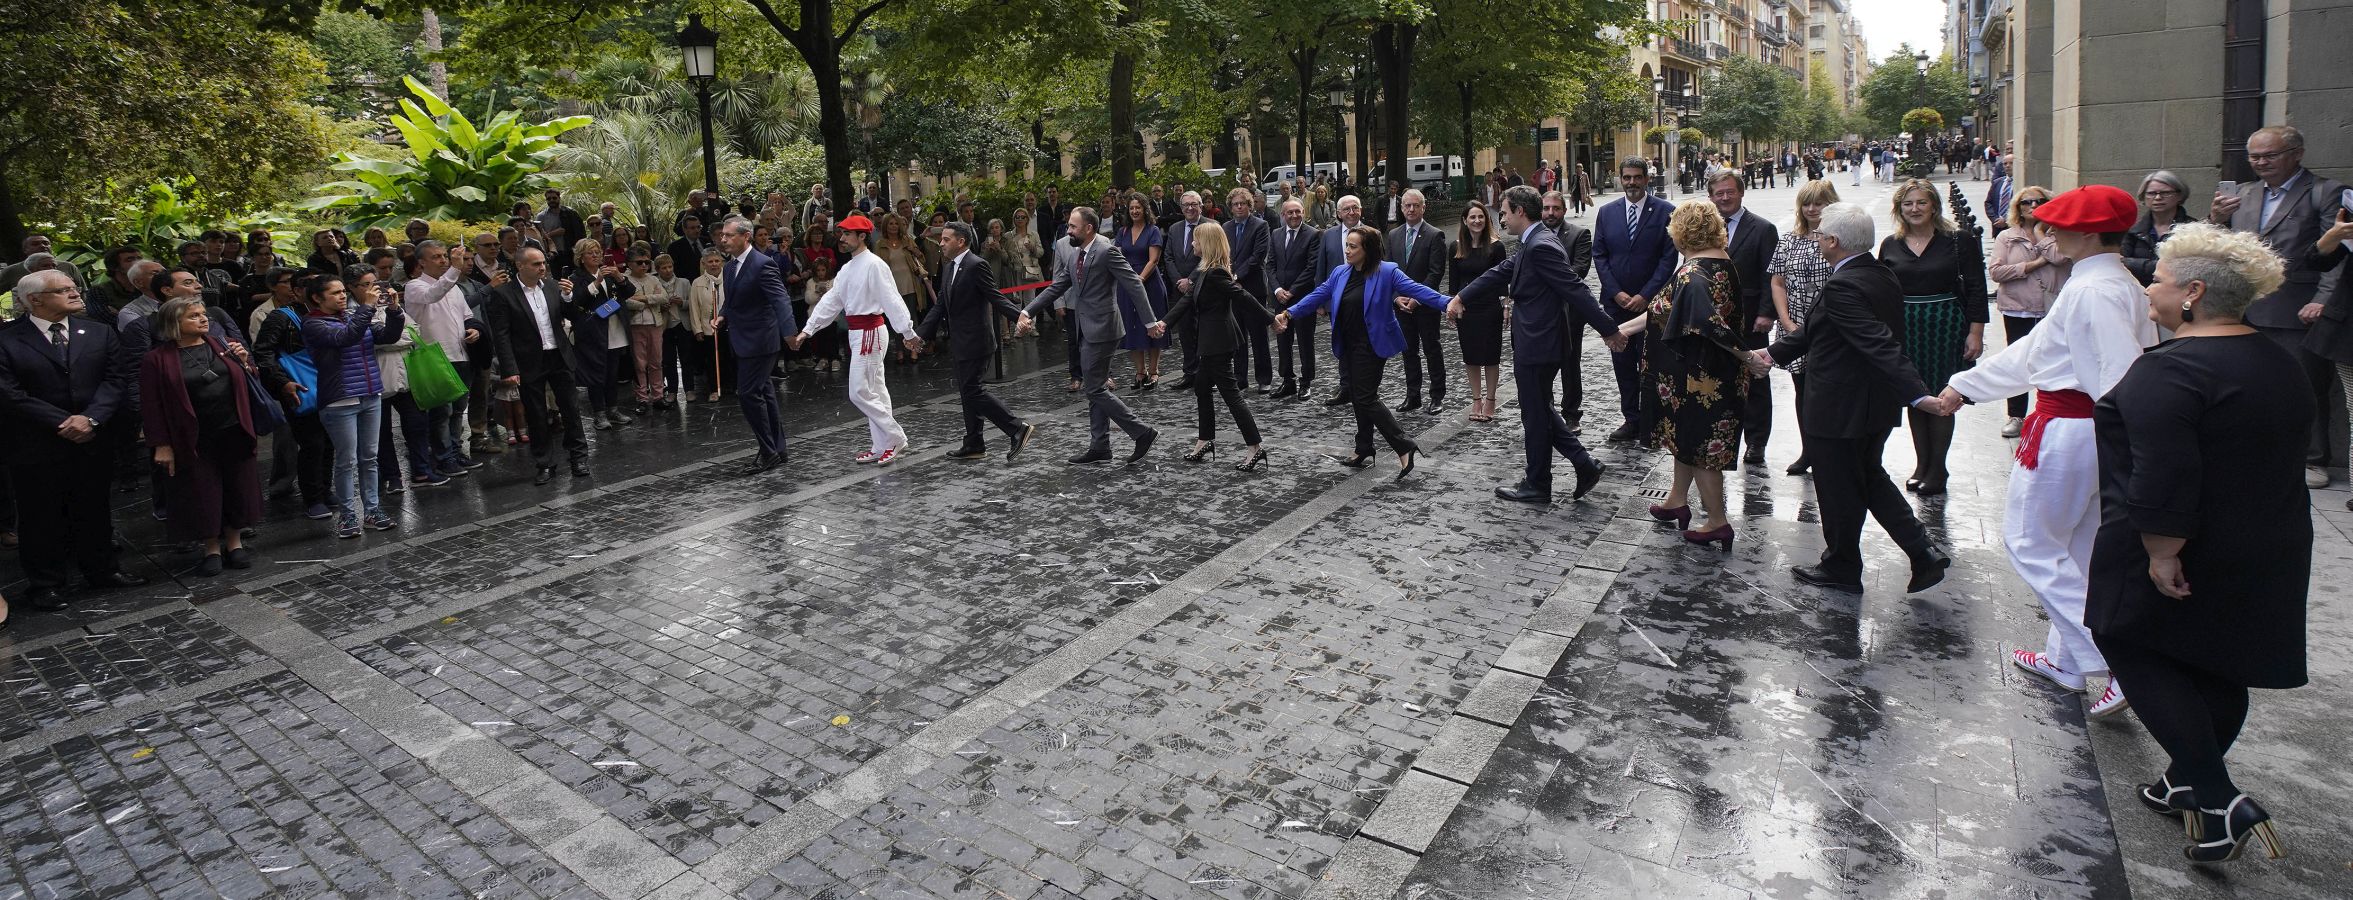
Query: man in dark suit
x=1858 y=378
x=1331 y=252
x=1636 y=258
x=1549 y=302
x=1291 y=254
x=1421 y=255
x=1750 y=241
x=1247 y=235
x=63 y=378
x=558 y=217
x=686 y=253
x=968 y=299
x=2290 y=206
x=526 y=314
x=1578 y=241
x=756 y=308
x=1093 y=278
x=1180 y=263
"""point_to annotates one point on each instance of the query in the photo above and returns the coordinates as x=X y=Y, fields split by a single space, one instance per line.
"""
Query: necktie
x=1633 y=216
x=1410 y=232
x=57 y=337
x=1185 y=241
x=948 y=278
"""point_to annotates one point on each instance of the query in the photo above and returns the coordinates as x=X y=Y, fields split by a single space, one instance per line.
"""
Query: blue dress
x=1139 y=252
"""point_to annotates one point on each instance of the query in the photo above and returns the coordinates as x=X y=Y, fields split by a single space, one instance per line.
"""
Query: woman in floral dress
x=1694 y=365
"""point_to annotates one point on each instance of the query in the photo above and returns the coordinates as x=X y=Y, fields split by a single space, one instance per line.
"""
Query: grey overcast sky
x=1887 y=23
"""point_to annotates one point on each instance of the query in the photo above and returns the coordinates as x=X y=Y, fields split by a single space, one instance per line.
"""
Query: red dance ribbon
x=2049 y=405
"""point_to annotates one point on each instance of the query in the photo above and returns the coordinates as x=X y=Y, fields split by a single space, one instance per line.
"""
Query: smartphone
x=2226 y=187
x=2345 y=200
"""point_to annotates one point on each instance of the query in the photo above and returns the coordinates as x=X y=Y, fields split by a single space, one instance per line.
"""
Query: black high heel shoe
x=2222 y=833
x=1250 y=463
x=2164 y=799
x=1357 y=461
x=1201 y=451
x=1405 y=462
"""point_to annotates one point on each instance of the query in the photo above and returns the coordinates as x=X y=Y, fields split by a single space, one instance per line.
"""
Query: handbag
x=433 y=379
x=302 y=371
x=268 y=416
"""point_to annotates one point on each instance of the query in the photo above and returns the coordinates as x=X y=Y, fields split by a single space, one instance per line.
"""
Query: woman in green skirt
x=1943 y=272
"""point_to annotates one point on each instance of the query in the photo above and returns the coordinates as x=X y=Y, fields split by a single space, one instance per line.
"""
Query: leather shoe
x=968 y=453
x=45 y=600
x=1182 y=384
x=546 y=474
x=1814 y=575
x=1021 y=440
x=1622 y=434
x=115 y=580
x=1587 y=479
x=1340 y=399
x=1284 y=391
x=1755 y=456
x=1927 y=570
x=1143 y=445
x=580 y=470
x=1412 y=402
x=1100 y=453
x=1522 y=493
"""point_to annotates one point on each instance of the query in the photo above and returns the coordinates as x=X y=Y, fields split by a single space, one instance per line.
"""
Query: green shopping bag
x=433 y=381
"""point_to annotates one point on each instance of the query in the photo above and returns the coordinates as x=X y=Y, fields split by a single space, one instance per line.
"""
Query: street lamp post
x=1658 y=94
x=1920 y=165
x=699 y=46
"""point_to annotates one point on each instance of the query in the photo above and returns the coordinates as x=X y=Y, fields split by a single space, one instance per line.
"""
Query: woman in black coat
x=2162 y=193
x=2204 y=554
x=1218 y=306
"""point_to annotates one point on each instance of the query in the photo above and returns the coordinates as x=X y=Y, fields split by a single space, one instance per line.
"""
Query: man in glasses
x=2291 y=207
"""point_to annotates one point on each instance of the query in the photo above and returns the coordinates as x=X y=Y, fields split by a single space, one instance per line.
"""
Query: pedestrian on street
x=342 y=331
x=1857 y=378
x=2290 y=206
x=968 y=305
x=533 y=352
x=755 y=309
x=1749 y=242
x=2097 y=325
x=200 y=425
x=1943 y=273
x=2203 y=556
x=1477 y=248
x=866 y=298
x=2027 y=273
x=1363 y=298
x=1797 y=272
x=1696 y=360
x=1217 y=307
x=1095 y=275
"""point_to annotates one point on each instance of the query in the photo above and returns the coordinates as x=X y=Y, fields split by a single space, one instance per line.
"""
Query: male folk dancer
x=866 y=298
x=2095 y=329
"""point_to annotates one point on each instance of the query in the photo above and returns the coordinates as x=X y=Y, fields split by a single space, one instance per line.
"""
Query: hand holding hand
x=1952 y=400
x=915 y=344
x=1282 y=322
x=1616 y=342
x=1759 y=362
x=1157 y=329
x=794 y=341
x=1024 y=326
x=1454 y=309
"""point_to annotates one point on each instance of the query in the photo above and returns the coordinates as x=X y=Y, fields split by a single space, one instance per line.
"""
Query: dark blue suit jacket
x=1638 y=263
x=38 y=390
x=1382 y=287
x=758 y=307
x=1248 y=237
x=1548 y=299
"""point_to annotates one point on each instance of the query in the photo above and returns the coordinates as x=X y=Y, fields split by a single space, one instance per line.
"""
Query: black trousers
x=1218 y=377
x=1257 y=352
x=757 y=396
x=1364 y=394
x=2014 y=329
x=62 y=520
x=314 y=456
x=1849 y=484
x=1572 y=377
x=1632 y=400
x=1188 y=354
x=1298 y=343
x=557 y=380
x=2320 y=373
x=1542 y=430
x=1756 y=422
x=2192 y=713
x=1424 y=350
x=978 y=403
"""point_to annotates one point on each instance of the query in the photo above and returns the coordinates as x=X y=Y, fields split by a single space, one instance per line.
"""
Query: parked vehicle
x=1429 y=173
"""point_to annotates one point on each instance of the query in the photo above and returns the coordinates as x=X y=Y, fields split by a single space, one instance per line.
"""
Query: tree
x=1752 y=97
x=1895 y=88
x=365 y=58
x=1821 y=116
x=643 y=164
x=1608 y=96
x=1473 y=97
x=946 y=138
x=101 y=91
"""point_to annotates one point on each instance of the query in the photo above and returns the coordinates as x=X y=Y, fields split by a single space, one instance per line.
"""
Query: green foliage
x=1896 y=87
x=946 y=138
x=1757 y=99
x=1923 y=121
x=1656 y=134
x=754 y=113
x=789 y=170
x=460 y=234
x=453 y=170
x=637 y=162
x=1693 y=137
x=365 y=56
x=157 y=218
x=1820 y=116
x=1609 y=96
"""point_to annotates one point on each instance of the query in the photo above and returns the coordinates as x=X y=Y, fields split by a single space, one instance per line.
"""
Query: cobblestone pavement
x=951 y=679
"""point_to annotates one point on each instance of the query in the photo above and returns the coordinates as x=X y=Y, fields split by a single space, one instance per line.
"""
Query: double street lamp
x=1920 y=162
x=699 y=47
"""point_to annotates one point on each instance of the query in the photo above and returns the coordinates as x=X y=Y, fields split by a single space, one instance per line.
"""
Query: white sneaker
x=2011 y=428
x=2110 y=703
x=2034 y=662
x=2315 y=477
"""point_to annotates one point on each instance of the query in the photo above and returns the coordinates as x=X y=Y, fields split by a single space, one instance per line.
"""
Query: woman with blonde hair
x=1798 y=271
x=2027 y=271
x=1943 y=273
x=1220 y=309
x=2203 y=559
x=1697 y=370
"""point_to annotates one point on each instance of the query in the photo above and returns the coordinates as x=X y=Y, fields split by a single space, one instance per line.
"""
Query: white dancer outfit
x=866 y=298
x=2095 y=330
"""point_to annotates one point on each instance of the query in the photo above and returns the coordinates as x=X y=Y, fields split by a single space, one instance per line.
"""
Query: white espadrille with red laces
x=867 y=457
x=888 y=455
x=2035 y=662
x=2110 y=703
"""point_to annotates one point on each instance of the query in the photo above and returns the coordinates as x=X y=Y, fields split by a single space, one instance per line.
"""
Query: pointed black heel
x=1250 y=463
x=1201 y=452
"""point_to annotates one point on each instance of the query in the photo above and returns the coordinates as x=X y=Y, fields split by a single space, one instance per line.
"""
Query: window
x=1813 y=31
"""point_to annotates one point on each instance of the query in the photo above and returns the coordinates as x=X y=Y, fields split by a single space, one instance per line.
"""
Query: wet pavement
x=950 y=679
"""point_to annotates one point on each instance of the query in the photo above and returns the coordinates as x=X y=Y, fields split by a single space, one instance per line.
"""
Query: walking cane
x=718 y=375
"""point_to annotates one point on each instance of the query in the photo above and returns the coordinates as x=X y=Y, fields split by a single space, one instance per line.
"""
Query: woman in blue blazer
x=1363 y=297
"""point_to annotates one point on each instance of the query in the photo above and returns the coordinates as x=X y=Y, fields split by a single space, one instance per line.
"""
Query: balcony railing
x=1736 y=14
x=1771 y=34
x=1687 y=49
x=1718 y=51
x=1793 y=70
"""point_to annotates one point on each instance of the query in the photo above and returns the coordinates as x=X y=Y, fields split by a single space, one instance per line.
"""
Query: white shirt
x=1732 y=225
x=43 y=326
x=536 y=299
x=439 y=310
x=864 y=287
x=2096 y=328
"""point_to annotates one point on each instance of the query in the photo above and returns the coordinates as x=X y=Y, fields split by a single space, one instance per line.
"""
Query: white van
x=1277 y=176
x=1423 y=172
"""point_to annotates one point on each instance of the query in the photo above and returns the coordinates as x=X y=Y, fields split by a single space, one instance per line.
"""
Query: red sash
x=872 y=341
x=2049 y=405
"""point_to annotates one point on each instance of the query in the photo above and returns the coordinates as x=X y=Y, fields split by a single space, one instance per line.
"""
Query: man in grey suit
x=1421 y=253
x=1179 y=262
x=1094 y=275
x=2289 y=207
x=1578 y=240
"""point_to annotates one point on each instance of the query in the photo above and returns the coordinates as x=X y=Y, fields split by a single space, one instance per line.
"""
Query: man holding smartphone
x=2291 y=207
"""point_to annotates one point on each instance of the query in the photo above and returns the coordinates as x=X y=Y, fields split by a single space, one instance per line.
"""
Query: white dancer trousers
x=2048 y=523
x=871 y=396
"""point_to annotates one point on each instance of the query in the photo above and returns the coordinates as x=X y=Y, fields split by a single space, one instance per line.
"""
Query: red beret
x=857 y=222
x=2095 y=209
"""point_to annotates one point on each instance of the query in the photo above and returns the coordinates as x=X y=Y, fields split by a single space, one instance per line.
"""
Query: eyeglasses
x=2160 y=194
x=2038 y=201
x=2267 y=157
